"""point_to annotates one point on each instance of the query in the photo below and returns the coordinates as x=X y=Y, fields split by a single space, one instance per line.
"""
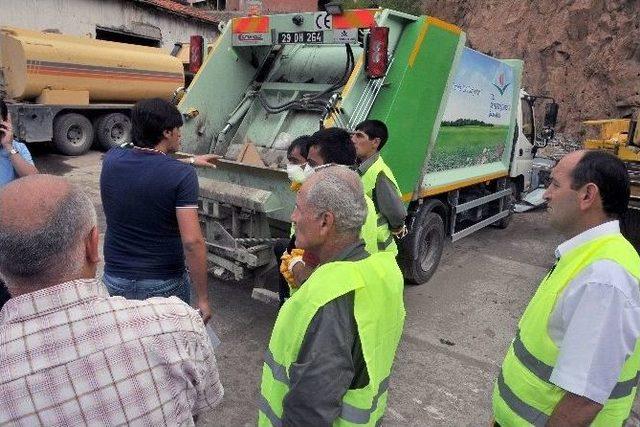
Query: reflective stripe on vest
x=348 y=413
x=543 y=371
x=528 y=412
x=268 y=412
x=384 y=245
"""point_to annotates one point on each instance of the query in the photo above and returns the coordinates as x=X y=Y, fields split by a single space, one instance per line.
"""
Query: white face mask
x=296 y=173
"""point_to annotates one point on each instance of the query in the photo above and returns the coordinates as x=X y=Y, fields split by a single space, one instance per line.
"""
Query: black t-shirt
x=140 y=193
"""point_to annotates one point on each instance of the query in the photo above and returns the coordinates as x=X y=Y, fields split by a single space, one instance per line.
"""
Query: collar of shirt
x=353 y=252
x=66 y=294
x=609 y=227
x=365 y=165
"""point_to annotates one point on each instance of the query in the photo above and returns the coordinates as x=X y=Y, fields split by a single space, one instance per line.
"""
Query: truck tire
x=113 y=130
x=422 y=248
x=72 y=134
x=512 y=200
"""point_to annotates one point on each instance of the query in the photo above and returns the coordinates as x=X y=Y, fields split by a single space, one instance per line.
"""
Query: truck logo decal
x=502 y=86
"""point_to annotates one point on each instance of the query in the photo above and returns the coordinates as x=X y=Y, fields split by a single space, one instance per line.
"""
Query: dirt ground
x=457 y=329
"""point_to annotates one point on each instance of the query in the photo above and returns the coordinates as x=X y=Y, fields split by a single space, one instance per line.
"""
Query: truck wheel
x=422 y=248
x=511 y=201
x=72 y=134
x=113 y=130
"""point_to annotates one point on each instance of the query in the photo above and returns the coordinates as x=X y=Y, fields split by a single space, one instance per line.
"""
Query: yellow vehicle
x=622 y=138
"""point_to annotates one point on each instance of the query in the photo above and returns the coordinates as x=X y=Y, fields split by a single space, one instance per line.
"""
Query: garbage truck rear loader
x=454 y=117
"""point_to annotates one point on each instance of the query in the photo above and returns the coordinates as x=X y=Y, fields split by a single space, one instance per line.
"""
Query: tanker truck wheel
x=422 y=248
x=113 y=130
x=72 y=134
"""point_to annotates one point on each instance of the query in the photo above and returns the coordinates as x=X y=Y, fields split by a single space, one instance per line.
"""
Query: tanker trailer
x=69 y=89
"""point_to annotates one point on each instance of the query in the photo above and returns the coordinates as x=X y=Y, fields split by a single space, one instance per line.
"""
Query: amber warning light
x=377 y=58
x=196 y=49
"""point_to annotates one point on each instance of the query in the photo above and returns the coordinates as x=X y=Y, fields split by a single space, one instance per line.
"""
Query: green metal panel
x=410 y=102
x=217 y=90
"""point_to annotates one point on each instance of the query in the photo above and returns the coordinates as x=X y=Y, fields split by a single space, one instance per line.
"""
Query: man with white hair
x=69 y=353
x=334 y=341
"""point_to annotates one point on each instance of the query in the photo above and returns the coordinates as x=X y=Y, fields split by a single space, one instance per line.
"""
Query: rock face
x=584 y=53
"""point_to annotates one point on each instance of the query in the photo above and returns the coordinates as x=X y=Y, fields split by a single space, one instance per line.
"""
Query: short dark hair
x=375 y=129
x=150 y=118
x=302 y=143
x=609 y=173
x=335 y=146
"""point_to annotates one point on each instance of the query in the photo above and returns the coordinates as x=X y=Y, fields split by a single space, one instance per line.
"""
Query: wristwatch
x=13 y=151
x=192 y=161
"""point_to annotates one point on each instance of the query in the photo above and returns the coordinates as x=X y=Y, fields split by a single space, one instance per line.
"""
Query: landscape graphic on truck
x=475 y=123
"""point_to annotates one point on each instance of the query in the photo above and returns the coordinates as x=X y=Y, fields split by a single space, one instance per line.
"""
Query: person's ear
x=589 y=196
x=166 y=134
x=92 y=243
x=376 y=143
x=327 y=220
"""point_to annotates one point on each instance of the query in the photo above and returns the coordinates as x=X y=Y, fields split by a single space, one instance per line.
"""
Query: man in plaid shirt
x=69 y=353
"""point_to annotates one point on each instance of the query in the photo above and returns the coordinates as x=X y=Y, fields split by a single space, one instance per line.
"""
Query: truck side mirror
x=550 y=115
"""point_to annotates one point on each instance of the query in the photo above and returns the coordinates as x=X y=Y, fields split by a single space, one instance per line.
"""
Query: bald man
x=69 y=353
x=334 y=341
x=575 y=358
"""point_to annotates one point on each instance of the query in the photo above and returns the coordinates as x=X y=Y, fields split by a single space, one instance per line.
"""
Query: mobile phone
x=4 y=111
x=4 y=114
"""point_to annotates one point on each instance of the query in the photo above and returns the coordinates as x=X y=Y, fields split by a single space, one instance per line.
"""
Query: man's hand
x=204 y=309
x=206 y=160
x=7 y=134
x=574 y=410
x=401 y=232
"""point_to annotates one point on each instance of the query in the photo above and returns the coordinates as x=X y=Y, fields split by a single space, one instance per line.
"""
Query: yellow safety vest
x=523 y=394
x=385 y=238
x=379 y=313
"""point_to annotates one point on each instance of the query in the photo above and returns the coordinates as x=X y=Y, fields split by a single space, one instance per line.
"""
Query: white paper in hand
x=215 y=341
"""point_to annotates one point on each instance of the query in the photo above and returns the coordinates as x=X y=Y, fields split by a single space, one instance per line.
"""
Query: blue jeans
x=142 y=289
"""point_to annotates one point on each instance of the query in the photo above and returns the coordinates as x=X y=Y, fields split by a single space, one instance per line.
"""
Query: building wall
x=80 y=17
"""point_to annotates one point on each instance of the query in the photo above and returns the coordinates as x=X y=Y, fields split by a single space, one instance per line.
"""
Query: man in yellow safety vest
x=334 y=340
x=575 y=357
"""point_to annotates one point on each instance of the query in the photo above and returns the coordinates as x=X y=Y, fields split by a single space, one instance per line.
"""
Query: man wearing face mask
x=327 y=147
x=298 y=170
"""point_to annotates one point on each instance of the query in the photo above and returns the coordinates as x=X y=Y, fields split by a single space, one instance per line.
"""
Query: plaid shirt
x=71 y=355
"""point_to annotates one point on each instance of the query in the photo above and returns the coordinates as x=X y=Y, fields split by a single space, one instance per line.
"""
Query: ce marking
x=323 y=21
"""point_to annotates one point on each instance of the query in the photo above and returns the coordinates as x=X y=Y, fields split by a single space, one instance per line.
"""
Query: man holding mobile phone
x=15 y=159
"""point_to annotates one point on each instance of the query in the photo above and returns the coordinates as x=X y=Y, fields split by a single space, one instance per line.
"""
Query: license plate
x=301 y=37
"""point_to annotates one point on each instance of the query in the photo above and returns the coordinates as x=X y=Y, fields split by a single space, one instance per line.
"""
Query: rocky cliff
x=584 y=53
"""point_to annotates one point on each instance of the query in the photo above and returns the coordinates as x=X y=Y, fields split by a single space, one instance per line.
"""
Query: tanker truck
x=69 y=89
x=463 y=135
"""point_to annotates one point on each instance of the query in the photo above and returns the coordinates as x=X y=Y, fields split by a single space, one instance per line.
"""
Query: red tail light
x=196 y=50
x=377 y=58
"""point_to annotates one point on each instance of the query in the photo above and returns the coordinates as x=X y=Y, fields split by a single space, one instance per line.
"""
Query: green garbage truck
x=463 y=134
